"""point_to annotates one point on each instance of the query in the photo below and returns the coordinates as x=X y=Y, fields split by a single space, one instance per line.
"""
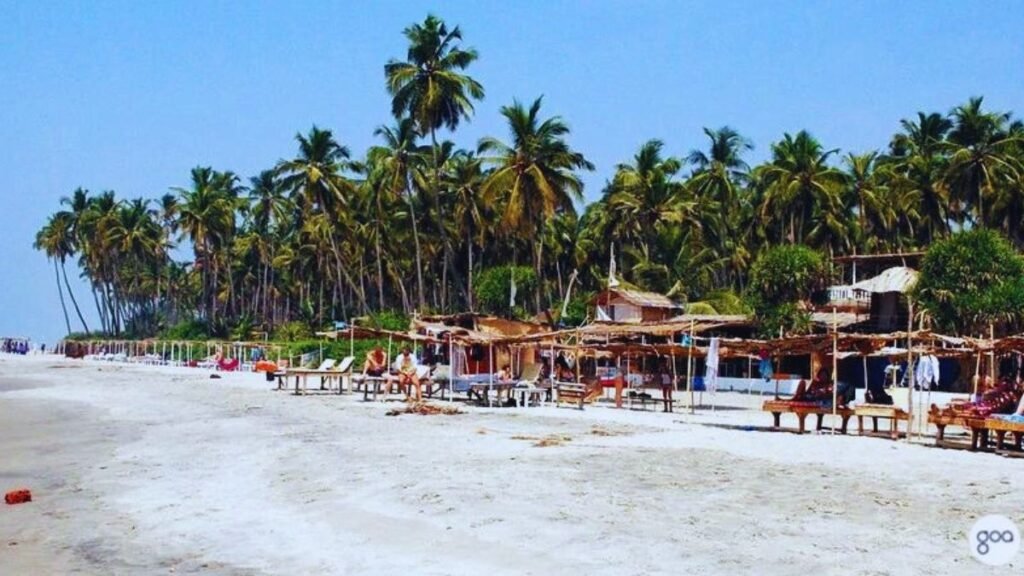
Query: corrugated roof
x=638 y=298
x=896 y=279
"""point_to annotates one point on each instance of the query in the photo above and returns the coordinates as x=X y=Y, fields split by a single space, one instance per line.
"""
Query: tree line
x=416 y=223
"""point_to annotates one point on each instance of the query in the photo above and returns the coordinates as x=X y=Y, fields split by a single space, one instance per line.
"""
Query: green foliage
x=720 y=302
x=491 y=288
x=293 y=331
x=187 y=330
x=393 y=320
x=782 y=280
x=787 y=274
x=577 y=310
x=790 y=317
x=971 y=279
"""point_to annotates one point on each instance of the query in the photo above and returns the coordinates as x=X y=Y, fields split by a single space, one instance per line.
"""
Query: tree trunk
x=74 y=301
x=421 y=297
x=60 y=293
x=380 y=264
x=538 y=247
x=469 y=272
x=449 y=262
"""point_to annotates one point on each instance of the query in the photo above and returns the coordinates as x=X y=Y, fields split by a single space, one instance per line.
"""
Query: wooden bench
x=802 y=410
x=876 y=411
x=577 y=394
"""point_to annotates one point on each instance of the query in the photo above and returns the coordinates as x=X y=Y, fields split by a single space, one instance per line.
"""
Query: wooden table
x=876 y=411
x=525 y=394
x=302 y=375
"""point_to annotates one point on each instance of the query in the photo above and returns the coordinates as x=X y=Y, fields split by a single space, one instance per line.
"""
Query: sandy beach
x=157 y=470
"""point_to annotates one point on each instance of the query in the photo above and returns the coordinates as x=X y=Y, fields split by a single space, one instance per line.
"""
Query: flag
x=512 y=288
x=711 y=368
x=612 y=282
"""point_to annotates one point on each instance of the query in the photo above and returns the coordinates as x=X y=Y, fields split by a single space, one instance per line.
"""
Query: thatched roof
x=637 y=298
x=896 y=279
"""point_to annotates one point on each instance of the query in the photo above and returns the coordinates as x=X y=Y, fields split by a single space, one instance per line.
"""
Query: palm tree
x=398 y=158
x=319 y=188
x=464 y=177
x=643 y=197
x=206 y=216
x=800 y=186
x=721 y=170
x=54 y=240
x=981 y=155
x=534 y=176
x=430 y=87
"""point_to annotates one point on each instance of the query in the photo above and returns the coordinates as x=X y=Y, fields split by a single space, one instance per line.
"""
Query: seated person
x=407 y=379
x=376 y=362
x=504 y=375
x=876 y=394
x=820 y=391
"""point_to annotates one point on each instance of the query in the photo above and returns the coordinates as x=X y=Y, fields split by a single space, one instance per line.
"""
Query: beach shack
x=633 y=306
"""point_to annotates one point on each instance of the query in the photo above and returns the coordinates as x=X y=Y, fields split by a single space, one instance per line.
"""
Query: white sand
x=147 y=470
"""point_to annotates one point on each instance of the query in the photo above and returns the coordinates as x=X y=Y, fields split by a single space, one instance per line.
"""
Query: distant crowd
x=15 y=346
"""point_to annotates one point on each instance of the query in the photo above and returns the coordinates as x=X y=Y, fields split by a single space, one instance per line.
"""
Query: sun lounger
x=943 y=417
x=328 y=372
x=1001 y=426
x=802 y=410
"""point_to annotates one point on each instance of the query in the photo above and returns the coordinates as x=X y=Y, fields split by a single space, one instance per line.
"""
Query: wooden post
x=910 y=371
x=835 y=369
x=576 y=353
x=992 y=354
x=689 y=369
x=451 y=368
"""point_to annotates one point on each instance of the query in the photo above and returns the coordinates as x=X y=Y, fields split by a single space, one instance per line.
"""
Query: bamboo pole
x=910 y=371
x=835 y=369
x=689 y=369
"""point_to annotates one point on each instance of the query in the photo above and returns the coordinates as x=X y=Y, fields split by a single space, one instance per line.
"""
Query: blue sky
x=129 y=96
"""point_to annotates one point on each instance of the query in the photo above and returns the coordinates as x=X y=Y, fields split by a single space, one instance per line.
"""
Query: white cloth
x=926 y=375
x=711 y=369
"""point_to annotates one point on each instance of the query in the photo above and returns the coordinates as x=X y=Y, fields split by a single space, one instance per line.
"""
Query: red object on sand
x=18 y=497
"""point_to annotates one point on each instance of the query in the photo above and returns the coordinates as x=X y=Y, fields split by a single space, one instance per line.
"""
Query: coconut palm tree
x=800 y=186
x=534 y=176
x=398 y=158
x=206 y=216
x=431 y=88
x=54 y=240
x=318 y=187
x=980 y=155
x=464 y=180
x=643 y=199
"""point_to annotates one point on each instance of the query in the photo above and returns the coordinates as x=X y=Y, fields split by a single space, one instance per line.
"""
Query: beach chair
x=529 y=387
x=1000 y=425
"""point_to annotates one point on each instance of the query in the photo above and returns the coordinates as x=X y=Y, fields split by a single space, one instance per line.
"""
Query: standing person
x=665 y=375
